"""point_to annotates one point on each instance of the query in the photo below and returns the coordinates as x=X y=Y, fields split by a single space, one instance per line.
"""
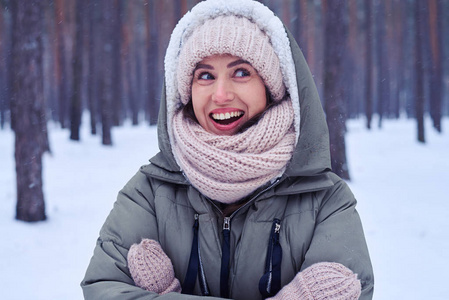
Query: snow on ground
x=401 y=187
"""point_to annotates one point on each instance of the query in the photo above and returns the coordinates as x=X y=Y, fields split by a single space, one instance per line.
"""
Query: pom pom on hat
x=232 y=35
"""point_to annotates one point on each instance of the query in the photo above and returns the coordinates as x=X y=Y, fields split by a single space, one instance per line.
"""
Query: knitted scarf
x=228 y=168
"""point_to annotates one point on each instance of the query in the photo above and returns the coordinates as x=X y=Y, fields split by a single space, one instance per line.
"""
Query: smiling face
x=226 y=92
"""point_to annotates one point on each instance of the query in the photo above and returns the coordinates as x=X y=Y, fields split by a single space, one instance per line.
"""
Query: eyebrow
x=203 y=66
x=238 y=62
x=230 y=65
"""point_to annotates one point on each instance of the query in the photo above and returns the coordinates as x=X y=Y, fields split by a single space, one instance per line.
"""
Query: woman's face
x=226 y=92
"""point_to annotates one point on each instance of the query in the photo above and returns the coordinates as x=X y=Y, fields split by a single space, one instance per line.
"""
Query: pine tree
x=28 y=107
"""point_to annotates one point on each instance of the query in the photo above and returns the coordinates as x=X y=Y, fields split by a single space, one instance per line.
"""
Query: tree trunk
x=28 y=107
x=76 y=98
x=62 y=75
x=369 y=64
x=7 y=46
x=409 y=64
x=397 y=25
x=152 y=62
x=333 y=91
x=116 y=24
x=302 y=26
x=50 y=63
x=351 y=62
x=436 y=74
x=419 y=71
x=106 y=75
x=130 y=63
x=93 y=64
x=4 y=50
x=387 y=50
x=383 y=79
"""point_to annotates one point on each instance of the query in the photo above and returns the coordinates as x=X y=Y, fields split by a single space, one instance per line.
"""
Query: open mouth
x=226 y=118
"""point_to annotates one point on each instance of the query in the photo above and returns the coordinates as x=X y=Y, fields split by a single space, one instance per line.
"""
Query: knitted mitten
x=322 y=281
x=151 y=269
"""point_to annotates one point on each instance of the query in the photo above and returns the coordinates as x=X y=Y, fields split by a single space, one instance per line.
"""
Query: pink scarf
x=228 y=168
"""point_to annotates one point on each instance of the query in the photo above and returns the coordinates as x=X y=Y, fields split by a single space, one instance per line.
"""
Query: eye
x=242 y=73
x=205 y=76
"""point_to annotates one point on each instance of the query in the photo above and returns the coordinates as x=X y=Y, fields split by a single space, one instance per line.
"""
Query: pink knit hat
x=232 y=35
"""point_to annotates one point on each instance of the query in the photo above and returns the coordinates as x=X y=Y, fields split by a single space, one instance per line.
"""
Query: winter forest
x=60 y=58
x=87 y=69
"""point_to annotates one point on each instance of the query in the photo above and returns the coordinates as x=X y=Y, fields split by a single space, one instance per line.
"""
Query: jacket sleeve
x=131 y=219
x=339 y=236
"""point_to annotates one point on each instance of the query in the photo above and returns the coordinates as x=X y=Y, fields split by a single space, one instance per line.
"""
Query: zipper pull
x=196 y=223
x=227 y=223
x=277 y=228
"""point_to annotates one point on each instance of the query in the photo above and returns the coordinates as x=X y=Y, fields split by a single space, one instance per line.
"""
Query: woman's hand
x=322 y=281
x=151 y=269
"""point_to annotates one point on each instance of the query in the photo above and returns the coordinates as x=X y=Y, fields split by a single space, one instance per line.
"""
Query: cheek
x=258 y=101
x=198 y=105
x=196 y=111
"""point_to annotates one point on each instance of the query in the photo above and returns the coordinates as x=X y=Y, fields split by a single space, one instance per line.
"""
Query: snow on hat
x=234 y=35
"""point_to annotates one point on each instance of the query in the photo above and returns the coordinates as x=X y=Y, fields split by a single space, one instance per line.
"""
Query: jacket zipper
x=195 y=255
x=192 y=269
x=202 y=276
x=270 y=282
x=274 y=242
x=225 y=257
x=226 y=245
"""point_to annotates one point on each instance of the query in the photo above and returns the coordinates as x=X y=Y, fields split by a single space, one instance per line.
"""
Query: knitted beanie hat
x=234 y=35
x=151 y=269
x=328 y=281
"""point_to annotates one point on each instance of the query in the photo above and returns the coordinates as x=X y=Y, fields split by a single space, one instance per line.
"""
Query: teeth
x=225 y=116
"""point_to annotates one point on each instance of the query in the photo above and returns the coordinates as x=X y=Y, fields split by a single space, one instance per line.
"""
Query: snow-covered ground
x=401 y=186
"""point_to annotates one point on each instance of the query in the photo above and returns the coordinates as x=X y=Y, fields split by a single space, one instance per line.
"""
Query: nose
x=223 y=91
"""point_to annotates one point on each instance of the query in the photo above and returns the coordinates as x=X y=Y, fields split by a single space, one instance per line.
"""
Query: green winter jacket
x=316 y=209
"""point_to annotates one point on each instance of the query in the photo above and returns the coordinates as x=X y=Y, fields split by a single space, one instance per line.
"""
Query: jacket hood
x=312 y=155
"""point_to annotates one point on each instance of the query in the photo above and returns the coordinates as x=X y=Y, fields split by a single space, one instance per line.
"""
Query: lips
x=226 y=119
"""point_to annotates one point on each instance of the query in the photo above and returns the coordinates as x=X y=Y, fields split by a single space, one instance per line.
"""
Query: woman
x=244 y=161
